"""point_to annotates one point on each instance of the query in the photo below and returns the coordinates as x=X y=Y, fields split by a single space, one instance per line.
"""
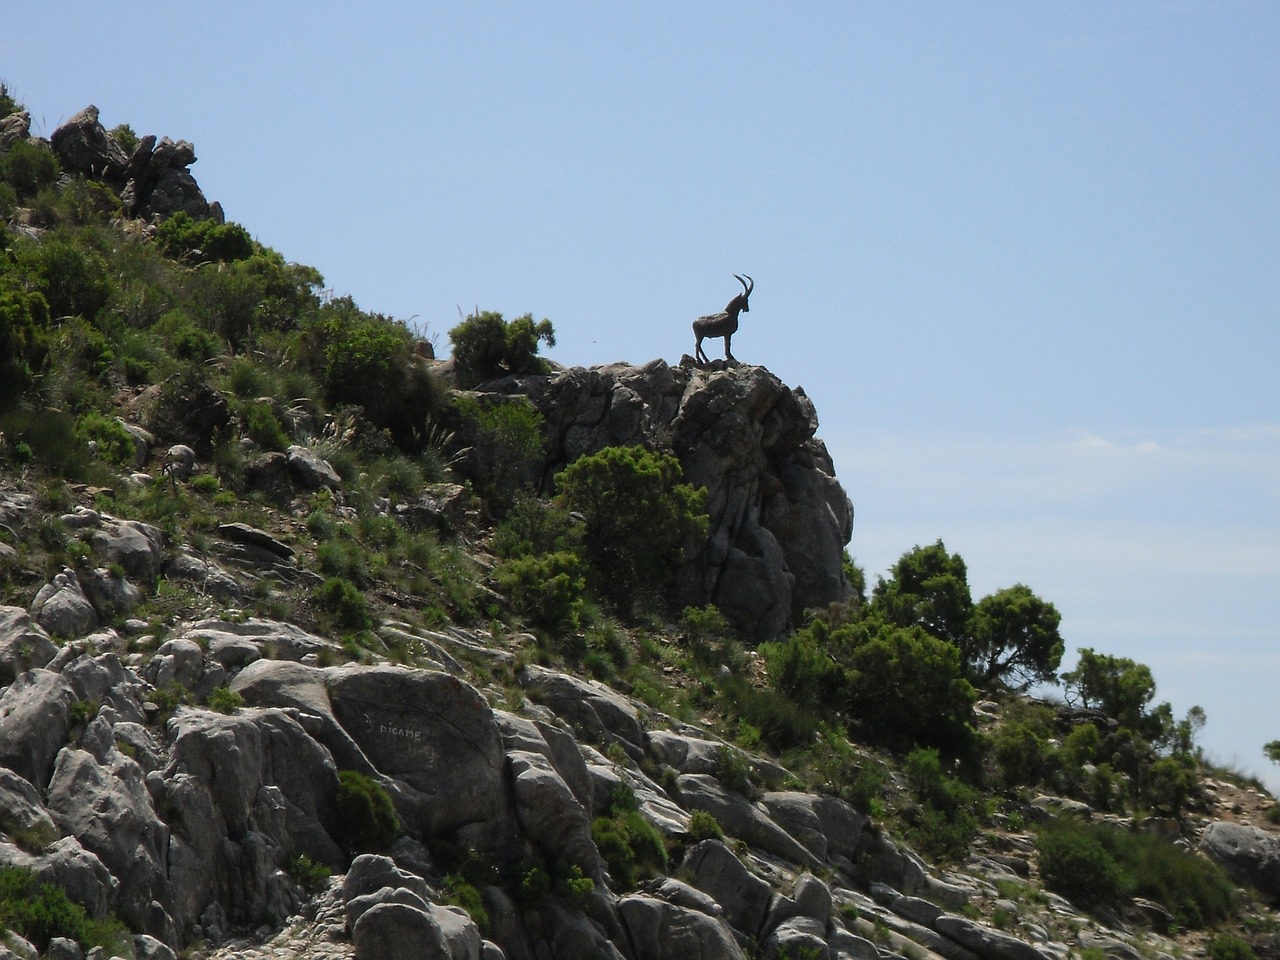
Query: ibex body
x=723 y=324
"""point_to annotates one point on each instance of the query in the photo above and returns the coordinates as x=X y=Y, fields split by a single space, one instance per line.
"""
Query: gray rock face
x=986 y=942
x=740 y=818
x=601 y=714
x=743 y=896
x=550 y=815
x=136 y=546
x=659 y=929
x=779 y=518
x=108 y=809
x=435 y=735
x=310 y=471
x=34 y=718
x=84 y=146
x=1250 y=855
x=23 y=645
x=62 y=608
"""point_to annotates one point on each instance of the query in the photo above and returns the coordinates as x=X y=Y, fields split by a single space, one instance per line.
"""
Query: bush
x=28 y=166
x=342 y=600
x=640 y=519
x=630 y=846
x=310 y=876
x=1227 y=947
x=508 y=442
x=182 y=237
x=485 y=347
x=224 y=700
x=1075 y=863
x=115 y=444
x=263 y=426
x=704 y=826
x=39 y=912
x=947 y=820
x=548 y=590
x=367 y=812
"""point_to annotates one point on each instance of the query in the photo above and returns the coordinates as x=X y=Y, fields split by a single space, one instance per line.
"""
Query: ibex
x=723 y=324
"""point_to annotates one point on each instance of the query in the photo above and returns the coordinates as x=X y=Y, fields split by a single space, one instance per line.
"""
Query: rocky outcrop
x=1250 y=855
x=779 y=519
x=153 y=181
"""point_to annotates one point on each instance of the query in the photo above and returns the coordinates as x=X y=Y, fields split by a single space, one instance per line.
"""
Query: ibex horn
x=748 y=289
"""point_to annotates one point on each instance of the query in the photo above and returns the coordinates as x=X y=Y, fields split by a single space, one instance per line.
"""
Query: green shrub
x=364 y=360
x=1227 y=947
x=311 y=876
x=367 y=813
x=342 y=600
x=180 y=236
x=1094 y=864
x=704 y=826
x=463 y=893
x=224 y=700
x=630 y=845
x=115 y=444
x=263 y=426
x=39 y=912
x=947 y=819
x=508 y=442
x=486 y=347
x=1075 y=863
x=28 y=166
x=547 y=590
x=531 y=527
x=74 y=279
x=641 y=519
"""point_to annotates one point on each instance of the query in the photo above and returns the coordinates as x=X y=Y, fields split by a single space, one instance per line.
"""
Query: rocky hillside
x=263 y=691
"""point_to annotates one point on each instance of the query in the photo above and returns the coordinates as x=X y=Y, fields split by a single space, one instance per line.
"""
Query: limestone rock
x=84 y=146
x=987 y=942
x=825 y=825
x=62 y=608
x=744 y=897
x=112 y=596
x=437 y=736
x=740 y=818
x=779 y=520
x=34 y=719
x=658 y=929
x=310 y=471
x=549 y=814
x=135 y=546
x=108 y=809
x=1249 y=855
x=23 y=645
x=602 y=715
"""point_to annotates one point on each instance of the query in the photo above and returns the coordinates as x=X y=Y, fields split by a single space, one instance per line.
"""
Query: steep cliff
x=779 y=517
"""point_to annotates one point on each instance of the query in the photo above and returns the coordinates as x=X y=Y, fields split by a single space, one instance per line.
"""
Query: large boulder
x=715 y=870
x=437 y=737
x=84 y=146
x=35 y=713
x=599 y=714
x=779 y=519
x=23 y=645
x=107 y=807
x=658 y=930
x=549 y=814
x=61 y=607
x=1249 y=855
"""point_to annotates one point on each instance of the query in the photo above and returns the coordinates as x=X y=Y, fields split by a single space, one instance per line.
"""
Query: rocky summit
x=302 y=653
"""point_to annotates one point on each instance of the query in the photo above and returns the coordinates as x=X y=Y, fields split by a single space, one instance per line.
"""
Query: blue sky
x=1024 y=257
